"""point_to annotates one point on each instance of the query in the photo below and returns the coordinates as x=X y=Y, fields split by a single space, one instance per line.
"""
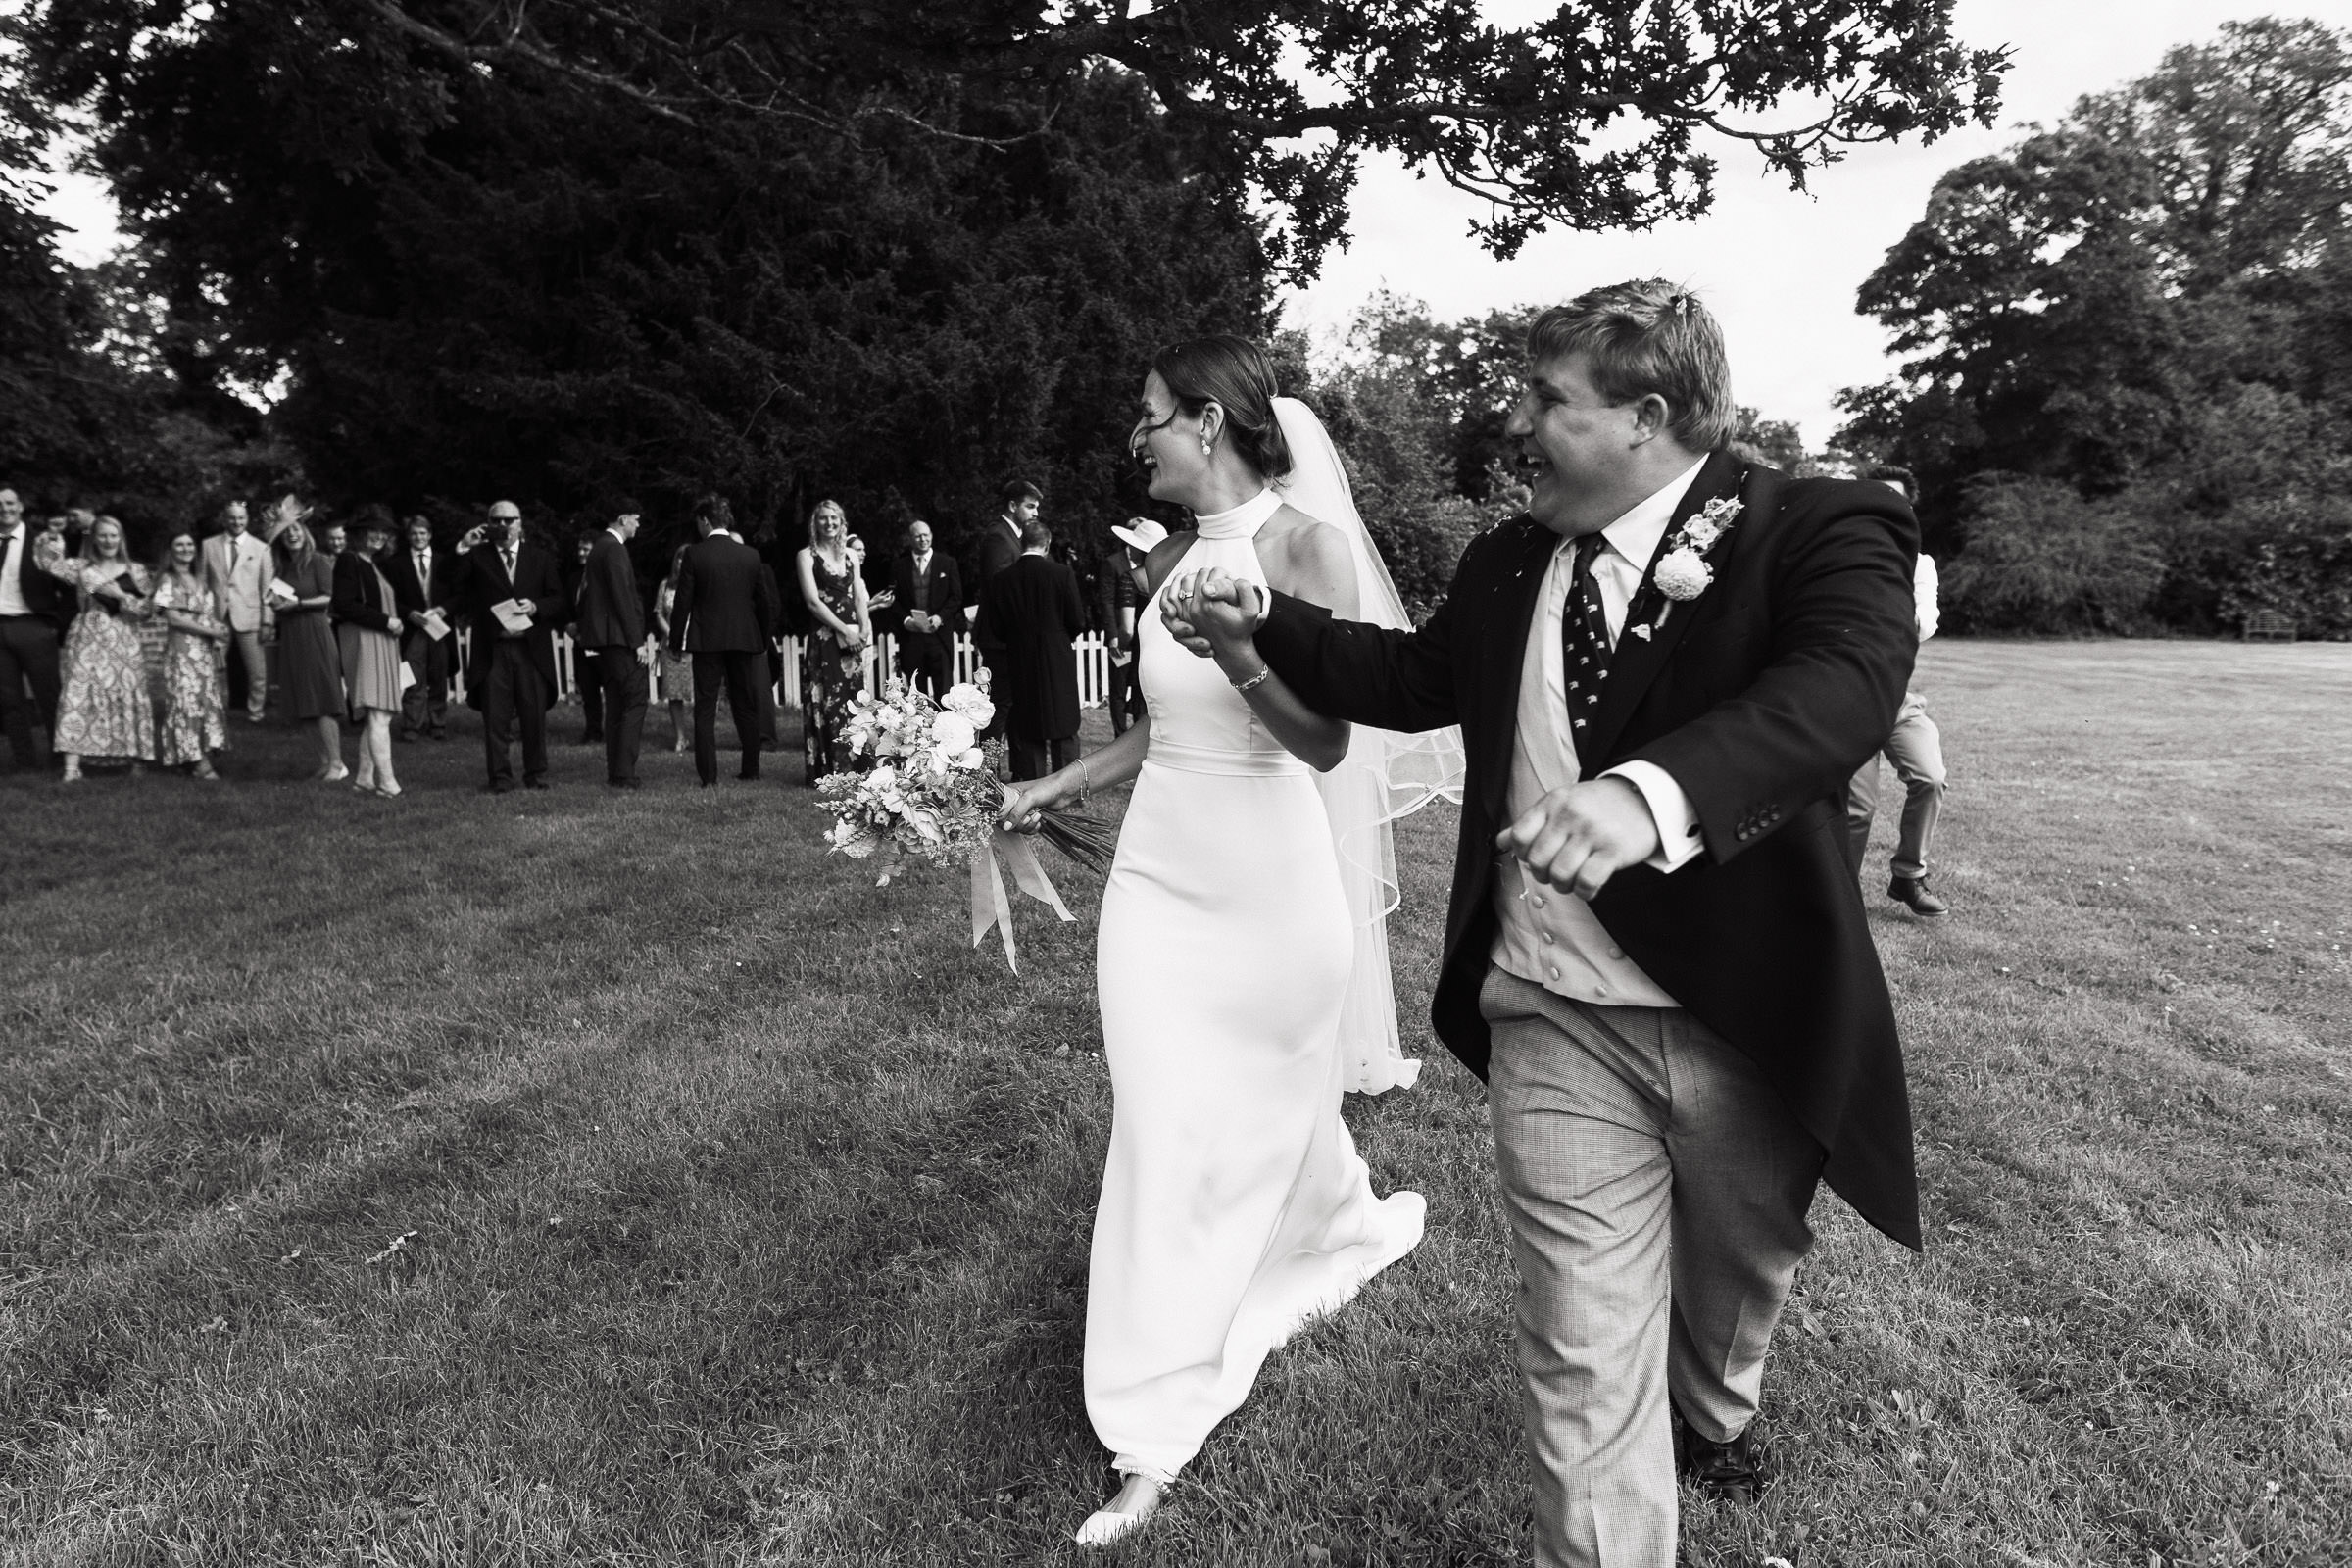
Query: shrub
x=2036 y=557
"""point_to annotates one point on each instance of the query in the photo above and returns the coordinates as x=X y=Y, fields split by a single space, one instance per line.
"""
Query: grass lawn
x=579 y=1178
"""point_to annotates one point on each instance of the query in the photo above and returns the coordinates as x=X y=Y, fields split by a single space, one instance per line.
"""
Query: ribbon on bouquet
x=991 y=906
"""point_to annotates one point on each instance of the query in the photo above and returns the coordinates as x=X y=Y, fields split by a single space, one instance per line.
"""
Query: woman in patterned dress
x=832 y=656
x=104 y=708
x=678 y=669
x=194 y=723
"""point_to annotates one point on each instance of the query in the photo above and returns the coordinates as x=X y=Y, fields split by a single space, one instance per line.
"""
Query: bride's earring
x=1206 y=446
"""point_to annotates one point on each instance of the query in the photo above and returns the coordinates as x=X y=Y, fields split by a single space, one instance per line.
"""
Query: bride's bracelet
x=1254 y=680
x=1084 y=781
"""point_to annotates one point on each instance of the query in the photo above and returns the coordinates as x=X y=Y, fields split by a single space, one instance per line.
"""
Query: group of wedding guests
x=117 y=659
x=126 y=661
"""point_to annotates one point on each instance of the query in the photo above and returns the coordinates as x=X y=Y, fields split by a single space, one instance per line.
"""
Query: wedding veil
x=1385 y=774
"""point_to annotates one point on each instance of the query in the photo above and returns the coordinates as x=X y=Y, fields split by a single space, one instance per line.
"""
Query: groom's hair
x=1644 y=338
x=1234 y=373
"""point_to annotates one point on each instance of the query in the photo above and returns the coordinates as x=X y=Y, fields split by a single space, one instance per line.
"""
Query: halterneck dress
x=1235 y=1207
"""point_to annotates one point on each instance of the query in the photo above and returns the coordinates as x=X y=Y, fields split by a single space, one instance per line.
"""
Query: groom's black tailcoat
x=1760 y=697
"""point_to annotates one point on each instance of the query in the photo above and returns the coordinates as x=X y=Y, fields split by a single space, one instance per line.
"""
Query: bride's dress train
x=1234 y=1207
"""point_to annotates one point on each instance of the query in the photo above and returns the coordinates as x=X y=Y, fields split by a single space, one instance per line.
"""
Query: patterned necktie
x=1583 y=640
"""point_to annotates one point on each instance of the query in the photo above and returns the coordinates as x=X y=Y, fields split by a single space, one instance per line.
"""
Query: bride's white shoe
x=1107 y=1525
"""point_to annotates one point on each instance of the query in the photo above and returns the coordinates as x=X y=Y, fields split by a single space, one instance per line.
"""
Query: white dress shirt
x=1544 y=936
x=14 y=557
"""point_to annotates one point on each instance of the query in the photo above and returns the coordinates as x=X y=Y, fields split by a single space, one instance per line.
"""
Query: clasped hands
x=1574 y=839
x=1211 y=612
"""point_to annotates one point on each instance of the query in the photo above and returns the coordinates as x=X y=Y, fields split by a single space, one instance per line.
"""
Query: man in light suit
x=511 y=675
x=237 y=569
x=419 y=578
x=1655 y=955
x=611 y=626
x=725 y=610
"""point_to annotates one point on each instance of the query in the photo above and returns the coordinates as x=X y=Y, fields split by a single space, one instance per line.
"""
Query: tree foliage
x=1597 y=117
x=891 y=251
x=477 y=285
x=2129 y=302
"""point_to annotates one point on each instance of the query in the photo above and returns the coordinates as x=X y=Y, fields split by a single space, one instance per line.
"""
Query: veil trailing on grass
x=1385 y=774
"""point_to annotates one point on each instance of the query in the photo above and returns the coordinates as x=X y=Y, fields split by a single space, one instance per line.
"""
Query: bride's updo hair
x=1234 y=373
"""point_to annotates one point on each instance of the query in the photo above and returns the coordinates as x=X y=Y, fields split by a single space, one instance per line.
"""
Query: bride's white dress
x=1234 y=1204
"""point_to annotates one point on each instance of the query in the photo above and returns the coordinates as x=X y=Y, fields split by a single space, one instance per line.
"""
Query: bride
x=1241 y=961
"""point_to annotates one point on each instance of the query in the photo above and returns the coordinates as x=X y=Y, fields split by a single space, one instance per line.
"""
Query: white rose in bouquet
x=971 y=703
x=952 y=734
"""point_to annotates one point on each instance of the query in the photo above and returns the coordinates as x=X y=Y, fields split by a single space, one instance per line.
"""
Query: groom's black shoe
x=1912 y=893
x=1729 y=1471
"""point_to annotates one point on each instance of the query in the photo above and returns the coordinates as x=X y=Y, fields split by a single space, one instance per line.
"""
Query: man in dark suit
x=1665 y=673
x=1035 y=611
x=611 y=626
x=31 y=618
x=511 y=673
x=929 y=605
x=420 y=577
x=999 y=547
x=727 y=607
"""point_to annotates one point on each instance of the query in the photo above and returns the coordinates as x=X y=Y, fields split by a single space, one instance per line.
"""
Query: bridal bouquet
x=932 y=793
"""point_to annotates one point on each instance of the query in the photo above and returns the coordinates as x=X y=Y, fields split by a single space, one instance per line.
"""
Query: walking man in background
x=237 y=569
x=1916 y=749
x=419 y=575
x=727 y=607
x=514 y=594
x=612 y=629
x=930 y=603
x=1033 y=610
x=999 y=547
x=28 y=630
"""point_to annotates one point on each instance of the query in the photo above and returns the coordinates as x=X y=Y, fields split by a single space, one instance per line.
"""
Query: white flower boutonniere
x=1683 y=573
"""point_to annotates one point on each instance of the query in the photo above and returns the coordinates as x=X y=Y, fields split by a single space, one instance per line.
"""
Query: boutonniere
x=1683 y=573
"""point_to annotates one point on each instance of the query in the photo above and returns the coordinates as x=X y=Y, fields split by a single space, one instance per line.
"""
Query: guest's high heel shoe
x=1138 y=1500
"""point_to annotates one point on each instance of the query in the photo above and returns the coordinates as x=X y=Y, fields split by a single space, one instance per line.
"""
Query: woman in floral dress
x=104 y=709
x=194 y=718
x=832 y=657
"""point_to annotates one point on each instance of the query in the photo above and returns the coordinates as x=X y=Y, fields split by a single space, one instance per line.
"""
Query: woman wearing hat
x=1126 y=584
x=308 y=664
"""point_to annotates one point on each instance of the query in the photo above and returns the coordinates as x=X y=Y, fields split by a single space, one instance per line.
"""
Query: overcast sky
x=1779 y=268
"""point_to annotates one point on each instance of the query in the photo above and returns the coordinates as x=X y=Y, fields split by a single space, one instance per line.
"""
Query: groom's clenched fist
x=1577 y=838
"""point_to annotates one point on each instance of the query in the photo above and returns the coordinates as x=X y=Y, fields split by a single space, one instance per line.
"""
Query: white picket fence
x=881 y=661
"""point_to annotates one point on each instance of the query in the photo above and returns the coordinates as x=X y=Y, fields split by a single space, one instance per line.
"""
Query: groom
x=1665 y=672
